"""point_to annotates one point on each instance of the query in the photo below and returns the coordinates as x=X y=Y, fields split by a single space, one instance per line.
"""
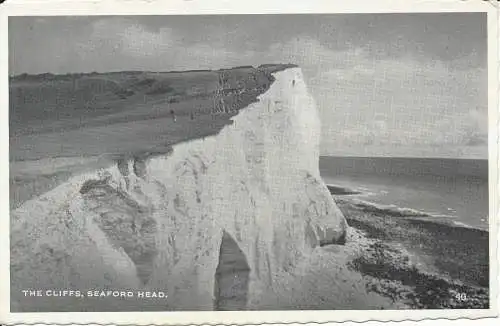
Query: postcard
x=259 y=162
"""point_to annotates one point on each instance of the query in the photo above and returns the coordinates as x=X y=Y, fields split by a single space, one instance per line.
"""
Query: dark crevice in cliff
x=126 y=223
x=340 y=240
x=231 y=276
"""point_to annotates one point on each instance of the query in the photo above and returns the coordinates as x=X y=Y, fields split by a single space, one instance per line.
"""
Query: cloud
x=390 y=102
x=41 y=20
x=122 y=42
x=315 y=59
x=128 y=38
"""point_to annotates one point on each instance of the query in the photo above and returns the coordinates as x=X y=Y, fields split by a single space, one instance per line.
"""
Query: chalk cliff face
x=158 y=224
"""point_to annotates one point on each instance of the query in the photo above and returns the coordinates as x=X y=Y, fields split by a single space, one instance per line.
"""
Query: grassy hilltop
x=53 y=103
x=60 y=124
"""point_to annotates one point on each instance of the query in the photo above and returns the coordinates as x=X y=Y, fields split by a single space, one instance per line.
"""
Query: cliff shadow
x=231 y=276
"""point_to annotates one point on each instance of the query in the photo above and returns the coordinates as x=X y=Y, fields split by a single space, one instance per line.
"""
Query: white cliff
x=158 y=224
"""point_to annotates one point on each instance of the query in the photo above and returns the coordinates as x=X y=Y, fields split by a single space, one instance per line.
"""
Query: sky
x=385 y=84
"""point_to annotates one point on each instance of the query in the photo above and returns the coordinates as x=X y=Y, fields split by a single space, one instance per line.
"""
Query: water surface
x=455 y=189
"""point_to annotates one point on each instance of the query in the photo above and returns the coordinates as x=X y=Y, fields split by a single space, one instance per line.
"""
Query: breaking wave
x=353 y=196
x=404 y=212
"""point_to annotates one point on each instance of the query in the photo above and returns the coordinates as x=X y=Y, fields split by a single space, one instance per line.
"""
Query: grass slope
x=115 y=116
x=37 y=102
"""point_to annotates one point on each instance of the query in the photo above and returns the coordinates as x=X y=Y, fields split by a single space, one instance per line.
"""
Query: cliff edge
x=163 y=224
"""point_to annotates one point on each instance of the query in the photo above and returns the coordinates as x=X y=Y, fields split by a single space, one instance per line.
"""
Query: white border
x=184 y=7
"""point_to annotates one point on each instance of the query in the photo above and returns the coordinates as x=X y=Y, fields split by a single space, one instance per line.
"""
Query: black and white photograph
x=249 y=162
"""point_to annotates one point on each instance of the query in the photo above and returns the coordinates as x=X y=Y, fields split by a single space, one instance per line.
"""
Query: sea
x=454 y=190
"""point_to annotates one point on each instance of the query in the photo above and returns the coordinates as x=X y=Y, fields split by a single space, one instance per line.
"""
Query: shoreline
x=396 y=211
x=422 y=263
